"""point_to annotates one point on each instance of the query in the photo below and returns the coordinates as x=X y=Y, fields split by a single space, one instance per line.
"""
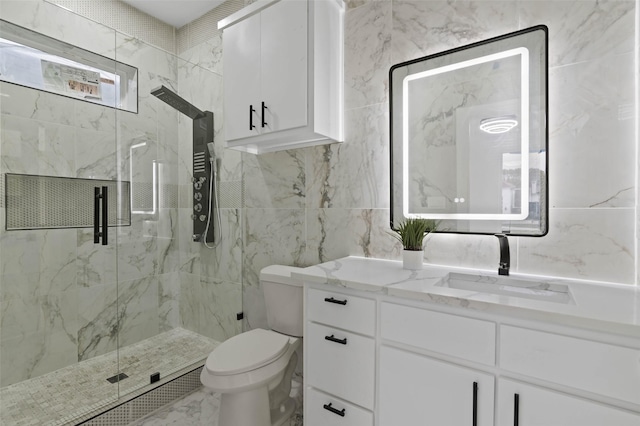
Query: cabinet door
x=418 y=390
x=241 y=68
x=284 y=65
x=542 y=407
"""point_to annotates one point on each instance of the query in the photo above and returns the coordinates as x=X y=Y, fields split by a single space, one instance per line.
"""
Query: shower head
x=172 y=99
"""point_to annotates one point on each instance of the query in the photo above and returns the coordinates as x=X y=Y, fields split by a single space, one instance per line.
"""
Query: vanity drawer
x=462 y=337
x=343 y=363
x=325 y=410
x=341 y=310
x=597 y=367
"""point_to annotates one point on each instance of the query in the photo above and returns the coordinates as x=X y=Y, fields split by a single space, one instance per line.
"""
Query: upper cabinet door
x=241 y=43
x=283 y=62
x=284 y=65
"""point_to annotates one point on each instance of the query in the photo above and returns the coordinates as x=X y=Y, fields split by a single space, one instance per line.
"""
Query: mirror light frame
x=525 y=132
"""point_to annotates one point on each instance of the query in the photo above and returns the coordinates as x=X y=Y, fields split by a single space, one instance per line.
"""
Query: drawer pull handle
x=332 y=338
x=516 y=409
x=475 y=404
x=336 y=301
x=333 y=410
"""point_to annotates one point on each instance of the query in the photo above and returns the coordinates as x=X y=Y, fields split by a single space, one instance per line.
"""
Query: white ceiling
x=175 y=12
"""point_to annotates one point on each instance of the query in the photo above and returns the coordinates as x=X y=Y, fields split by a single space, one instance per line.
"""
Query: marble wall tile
x=35 y=354
x=275 y=180
x=98 y=320
x=253 y=305
x=272 y=236
x=49 y=254
x=189 y=250
x=593 y=244
x=224 y=261
x=423 y=28
x=168 y=301
x=91 y=116
x=95 y=154
x=137 y=310
x=168 y=251
x=470 y=251
x=36 y=147
x=191 y=307
x=581 y=30
x=207 y=54
x=354 y=174
x=221 y=302
x=46 y=107
x=46 y=19
x=592 y=134
x=335 y=233
x=367 y=54
x=95 y=264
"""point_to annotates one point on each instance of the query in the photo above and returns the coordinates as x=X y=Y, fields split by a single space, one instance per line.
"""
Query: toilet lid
x=246 y=352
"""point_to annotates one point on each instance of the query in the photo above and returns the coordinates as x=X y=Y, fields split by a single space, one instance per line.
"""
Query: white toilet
x=253 y=370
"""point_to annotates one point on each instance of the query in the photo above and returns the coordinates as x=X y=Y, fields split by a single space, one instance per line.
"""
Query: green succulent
x=412 y=232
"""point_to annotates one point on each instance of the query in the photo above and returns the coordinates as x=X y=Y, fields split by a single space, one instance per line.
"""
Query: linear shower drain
x=117 y=378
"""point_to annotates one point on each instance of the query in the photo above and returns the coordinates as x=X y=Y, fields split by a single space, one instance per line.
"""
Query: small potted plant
x=411 y=233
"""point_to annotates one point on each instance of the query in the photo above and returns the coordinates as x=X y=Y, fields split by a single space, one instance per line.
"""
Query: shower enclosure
x=85 y=325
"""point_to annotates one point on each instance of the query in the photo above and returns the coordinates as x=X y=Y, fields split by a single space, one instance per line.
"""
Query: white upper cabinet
x=283 y=75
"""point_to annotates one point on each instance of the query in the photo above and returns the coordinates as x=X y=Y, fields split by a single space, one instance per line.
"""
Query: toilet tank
x=283 y=299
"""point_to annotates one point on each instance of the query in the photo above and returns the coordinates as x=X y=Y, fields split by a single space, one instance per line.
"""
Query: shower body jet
x=203 y=230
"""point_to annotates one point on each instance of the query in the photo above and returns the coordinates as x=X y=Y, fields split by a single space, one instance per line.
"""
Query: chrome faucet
x=505 y=258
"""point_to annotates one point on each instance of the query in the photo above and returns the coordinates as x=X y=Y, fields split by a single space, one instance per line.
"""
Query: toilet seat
x=247 y=351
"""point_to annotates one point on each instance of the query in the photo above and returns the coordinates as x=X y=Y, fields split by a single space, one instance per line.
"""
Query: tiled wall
x=64 y=299
x=316 y=204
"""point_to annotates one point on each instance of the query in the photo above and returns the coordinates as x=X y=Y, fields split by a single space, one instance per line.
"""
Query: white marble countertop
x=604 y=306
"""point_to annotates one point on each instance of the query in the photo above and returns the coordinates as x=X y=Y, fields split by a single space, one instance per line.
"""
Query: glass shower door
x=58 y=286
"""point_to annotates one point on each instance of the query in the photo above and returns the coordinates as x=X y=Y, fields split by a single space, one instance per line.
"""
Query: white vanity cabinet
x=340 y=358
x=418 y=390
x=416 y=358
x=282 y=71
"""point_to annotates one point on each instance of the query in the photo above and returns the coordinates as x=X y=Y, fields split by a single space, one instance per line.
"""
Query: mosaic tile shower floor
x=60 y=397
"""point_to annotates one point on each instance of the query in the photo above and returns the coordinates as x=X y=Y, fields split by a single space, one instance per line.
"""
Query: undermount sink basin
x=507 y=286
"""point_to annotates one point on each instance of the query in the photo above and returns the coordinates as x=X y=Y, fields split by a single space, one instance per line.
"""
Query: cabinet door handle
x=332 y=338
x=336 y=301
x=475 y=404
x=328 y=407
x=516 y=409
x=264 y=123
x=251 y=111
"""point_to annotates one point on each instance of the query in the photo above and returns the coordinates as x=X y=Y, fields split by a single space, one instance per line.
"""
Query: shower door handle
x=100 y=215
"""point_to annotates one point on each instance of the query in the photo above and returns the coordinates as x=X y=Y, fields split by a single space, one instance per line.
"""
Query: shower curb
x=134 y=407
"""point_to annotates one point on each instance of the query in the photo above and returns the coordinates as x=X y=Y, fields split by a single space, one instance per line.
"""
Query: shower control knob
x=198 y=207
x=197 y=186
x=193 y=217
x=203 y=218
x=202 y=179
x=197 y=196
x=193 y=179
x=195 y=237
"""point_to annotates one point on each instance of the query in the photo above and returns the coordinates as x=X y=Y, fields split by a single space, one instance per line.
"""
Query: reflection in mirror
x=469 y=136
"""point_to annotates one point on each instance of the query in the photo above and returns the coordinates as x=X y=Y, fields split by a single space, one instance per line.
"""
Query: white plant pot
x=412 y=259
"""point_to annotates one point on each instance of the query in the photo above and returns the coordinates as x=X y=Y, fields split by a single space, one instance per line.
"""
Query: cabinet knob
x=328 y=407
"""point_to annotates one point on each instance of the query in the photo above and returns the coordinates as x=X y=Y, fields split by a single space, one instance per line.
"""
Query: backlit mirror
x=469 y=137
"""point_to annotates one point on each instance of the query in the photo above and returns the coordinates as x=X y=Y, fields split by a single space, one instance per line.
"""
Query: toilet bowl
x=253 y=370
